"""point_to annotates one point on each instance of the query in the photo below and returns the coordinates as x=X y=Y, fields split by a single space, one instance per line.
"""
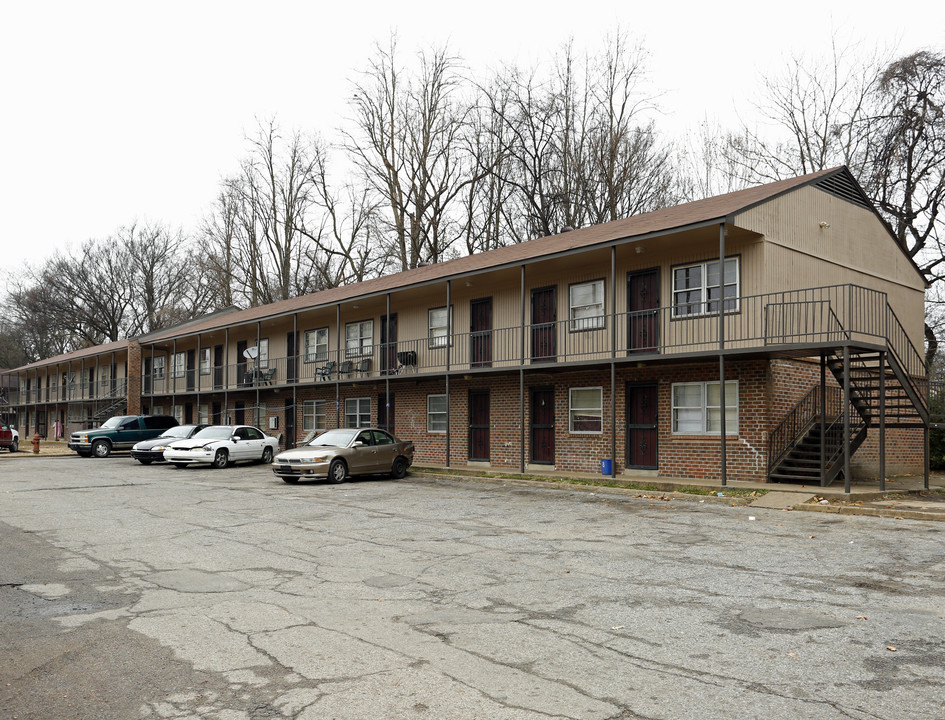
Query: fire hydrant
x=36 y=443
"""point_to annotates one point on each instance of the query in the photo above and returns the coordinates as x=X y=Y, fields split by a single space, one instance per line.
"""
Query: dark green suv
x=119 y=433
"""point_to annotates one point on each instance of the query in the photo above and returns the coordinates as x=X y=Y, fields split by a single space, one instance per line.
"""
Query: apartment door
x=642 y=426
x=385 y=412
x=479 y=425
x=240 y=363
x=239 y=413
x=216 y=417
x=544 y=337
x=191 y=370
x=147 y=376
x=217 y=367
x=91 y=382
x=643 y=316
x=388 y=343
x=543 y=426
x=480 y=332
x=291 y=351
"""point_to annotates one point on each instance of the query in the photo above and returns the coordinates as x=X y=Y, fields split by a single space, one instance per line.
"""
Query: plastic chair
x=325 y=371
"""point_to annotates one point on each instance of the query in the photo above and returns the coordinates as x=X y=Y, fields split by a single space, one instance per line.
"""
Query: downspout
x=521 y=379
x=338 y=374
x=613 y=361
x=449 y=342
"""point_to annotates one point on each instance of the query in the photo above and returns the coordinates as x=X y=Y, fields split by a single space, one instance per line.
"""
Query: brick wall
x=133 y=371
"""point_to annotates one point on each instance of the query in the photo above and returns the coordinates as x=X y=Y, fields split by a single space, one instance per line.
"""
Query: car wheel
x=16 y=445
x=337 y=471
x=180 y=465
x=143 y=461
x=398 y=469
x=290 y=480
x=220 y=459
x=267 y=456
x=101 y=449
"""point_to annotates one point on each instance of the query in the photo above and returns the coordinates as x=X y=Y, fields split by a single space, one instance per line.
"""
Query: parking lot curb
x=890 y=513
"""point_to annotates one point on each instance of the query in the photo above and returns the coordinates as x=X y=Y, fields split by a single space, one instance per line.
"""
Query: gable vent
x=843 y=186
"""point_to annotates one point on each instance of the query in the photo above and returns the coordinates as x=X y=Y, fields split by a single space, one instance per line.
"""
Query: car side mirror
x=358 y=443
x=234 y=438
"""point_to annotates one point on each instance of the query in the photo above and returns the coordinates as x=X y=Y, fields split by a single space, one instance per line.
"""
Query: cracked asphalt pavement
x=152 y=592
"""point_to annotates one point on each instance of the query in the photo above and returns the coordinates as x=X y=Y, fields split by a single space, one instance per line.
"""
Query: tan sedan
x=337 y=454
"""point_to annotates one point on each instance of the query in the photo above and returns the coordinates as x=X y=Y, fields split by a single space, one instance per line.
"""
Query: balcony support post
x=925 y=467
x=197 y=379
x=340 y=354
x=613 y=362
x=521 y=380
x=846 y=418
x=722 y=408
x=173 y=370
x=226 y=374
x=449 y=341
x=382 y=363
x=882 y=422
x=256 y=421
x=151 y=386
x=823 y=420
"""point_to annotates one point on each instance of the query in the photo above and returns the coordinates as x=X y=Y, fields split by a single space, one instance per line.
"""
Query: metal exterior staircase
x=808 y=446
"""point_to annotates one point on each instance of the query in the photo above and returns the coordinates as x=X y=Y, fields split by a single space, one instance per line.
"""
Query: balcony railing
x=796 y=319
x=70 y=392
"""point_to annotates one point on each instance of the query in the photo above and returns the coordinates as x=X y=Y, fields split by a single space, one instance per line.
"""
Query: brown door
x=544 y=345
x=388 y=343
x=191 y=370
x=385 y=412
x=642 y=427
x=290 y=351
x=218 y=367
x=480 y=332
x=479 y=425
x=643 y=317
x=543 y=426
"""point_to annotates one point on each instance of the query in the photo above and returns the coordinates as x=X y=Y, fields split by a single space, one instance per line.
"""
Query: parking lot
x=152 y=592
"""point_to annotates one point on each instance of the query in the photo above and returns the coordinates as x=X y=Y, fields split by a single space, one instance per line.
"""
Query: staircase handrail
x=794 y=426
x=913 y=368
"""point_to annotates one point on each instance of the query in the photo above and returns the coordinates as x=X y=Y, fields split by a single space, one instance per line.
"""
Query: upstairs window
x=440 y=321
x=158 y=368
x=316 y=345
x=359 y=338
x=587 y=305
x=179 y=365
x=697 y=288
x=204 y=361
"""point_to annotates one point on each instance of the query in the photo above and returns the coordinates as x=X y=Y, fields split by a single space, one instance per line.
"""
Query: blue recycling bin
x=606 y=466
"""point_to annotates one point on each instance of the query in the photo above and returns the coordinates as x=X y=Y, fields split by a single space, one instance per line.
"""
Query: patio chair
x=346 y=368
x=266 y=376
x=325 y=371
x=364 y=366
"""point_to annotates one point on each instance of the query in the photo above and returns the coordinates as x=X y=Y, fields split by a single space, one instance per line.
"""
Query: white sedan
x=219 y=445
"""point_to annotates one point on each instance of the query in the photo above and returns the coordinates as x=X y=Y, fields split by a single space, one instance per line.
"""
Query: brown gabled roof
x=77 y=355
x=659 y=221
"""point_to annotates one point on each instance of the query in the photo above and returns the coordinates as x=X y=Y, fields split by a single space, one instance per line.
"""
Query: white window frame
x=440 y=329
x=158 y=370
x=316 y=345
x=204 y=361
x=262 y=357
x=582 y=317
x=179 y=367
x=363 y=343
x=706 y=410
x=259 y=415
x=355 y=414
x=203 y=414
x=437 y=416
x=572 y=409
x=703 y=304
x=314 y=415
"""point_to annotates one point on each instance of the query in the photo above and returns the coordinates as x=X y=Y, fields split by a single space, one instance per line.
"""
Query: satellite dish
x=251 y=353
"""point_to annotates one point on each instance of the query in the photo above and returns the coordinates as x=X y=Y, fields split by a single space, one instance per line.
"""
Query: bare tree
x=406 y=142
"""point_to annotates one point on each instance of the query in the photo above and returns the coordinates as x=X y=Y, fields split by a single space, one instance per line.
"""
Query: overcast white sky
x=117 y=111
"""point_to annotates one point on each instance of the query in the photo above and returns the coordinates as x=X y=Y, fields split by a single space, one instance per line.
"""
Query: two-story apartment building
x=608 y=342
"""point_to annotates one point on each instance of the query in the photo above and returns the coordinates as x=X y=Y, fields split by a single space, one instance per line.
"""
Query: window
x=177 y=411
x=357 y=412
x=203 y=414
x=697 y=288
x=587 y=305
x=697 y=408
x=313 y=415
x=359 y=338
x=159 y=367
x=316 y=345
x=179 y=365
x=205 y=361
x=436 y=413
x=586 y=414
x=262 y=359
x=440 y=323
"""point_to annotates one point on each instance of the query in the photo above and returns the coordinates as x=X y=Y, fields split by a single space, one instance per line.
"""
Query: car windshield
x=334 y=438
x=179 y=431
x=214 y=432
x=114 y=422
